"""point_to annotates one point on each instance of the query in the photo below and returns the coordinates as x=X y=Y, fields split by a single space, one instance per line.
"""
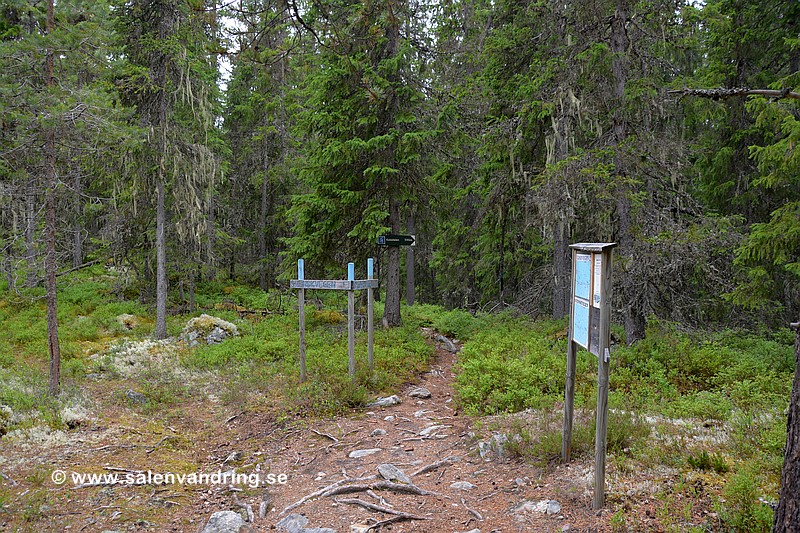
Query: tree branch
x=724 y=94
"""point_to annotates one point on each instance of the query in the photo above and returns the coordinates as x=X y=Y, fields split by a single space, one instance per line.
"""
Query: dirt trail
x=416 y=433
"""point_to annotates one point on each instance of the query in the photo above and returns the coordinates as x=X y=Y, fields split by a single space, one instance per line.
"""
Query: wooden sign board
x=334 y=284
x=587 y=297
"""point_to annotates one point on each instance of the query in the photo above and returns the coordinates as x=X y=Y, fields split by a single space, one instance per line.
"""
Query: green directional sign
x=396 y=240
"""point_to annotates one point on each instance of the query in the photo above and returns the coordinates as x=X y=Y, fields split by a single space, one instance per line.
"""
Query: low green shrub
x=742 y=510
x=706 y=461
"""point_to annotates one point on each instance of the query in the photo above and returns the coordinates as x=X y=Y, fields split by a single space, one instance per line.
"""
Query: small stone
x=519 y=482
x=378 y=433
x=421 y=413
x=431 y=429
x=462 y=485
x=553 y=507
x=293 y=523
x=359 y=528
x=358 y=454
x=224 y=522
x=448 y=344
x=390 y=472
x=389 y=418
x=136 y=397
x=385 y=402
x=420 y=392
x=566 y=527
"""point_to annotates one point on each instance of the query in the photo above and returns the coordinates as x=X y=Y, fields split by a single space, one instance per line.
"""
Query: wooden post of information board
x=590 y=328
x=301 y=307
x=370 y=324
x=351 y=323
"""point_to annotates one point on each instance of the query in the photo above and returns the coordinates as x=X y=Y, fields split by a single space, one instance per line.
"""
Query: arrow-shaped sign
x=396 y=240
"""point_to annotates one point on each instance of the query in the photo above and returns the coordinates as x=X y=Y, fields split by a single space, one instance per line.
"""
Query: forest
x=185 y=141
x=161 y=157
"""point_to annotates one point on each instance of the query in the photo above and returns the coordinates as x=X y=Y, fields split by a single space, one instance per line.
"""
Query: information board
x=583 y=276
x=580 y=323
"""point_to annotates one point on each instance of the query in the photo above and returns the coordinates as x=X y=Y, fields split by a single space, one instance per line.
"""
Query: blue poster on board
x=583 y=275
x=580 y=323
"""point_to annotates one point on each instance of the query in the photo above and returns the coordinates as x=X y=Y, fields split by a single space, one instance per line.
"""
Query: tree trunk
x=51 y=265
x=30 y=229
x=262 y=232
x=161 y=263
x=9 y=268
x=410 y=263
x=561 y=269
x=787 y=515
x=634 y=318
x=191 y=290
x=77 y=226
x=391 y=310
x=211 y=229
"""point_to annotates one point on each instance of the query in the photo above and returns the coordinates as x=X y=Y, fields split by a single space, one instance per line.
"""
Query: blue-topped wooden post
x=370 y=324
x=351 y=322
x=301 y=308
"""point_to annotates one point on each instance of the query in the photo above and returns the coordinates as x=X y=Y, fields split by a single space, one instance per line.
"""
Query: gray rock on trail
x=551 y=507
x=208 y=329
x=296 y=523
x=389 y=472
x=224 y=522
x=420 y=392
x=432 y=429
x=358 y=454
x=462 y=485
x=448 y=344
x=385 y=402
x=378 y=432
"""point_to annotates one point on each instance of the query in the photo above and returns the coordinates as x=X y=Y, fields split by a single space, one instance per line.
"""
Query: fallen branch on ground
x=376 y=526
x=326 y=435
x=435 y=466
x=473 y=512
x=381 y=509
x=380 y=485
x=323 y=490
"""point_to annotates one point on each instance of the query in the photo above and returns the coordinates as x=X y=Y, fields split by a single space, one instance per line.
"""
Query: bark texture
x=51 y=264
x=787 y=516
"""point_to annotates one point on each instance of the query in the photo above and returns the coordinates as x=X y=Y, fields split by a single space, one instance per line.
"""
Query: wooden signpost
x=590 y=328
x=350 y=285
